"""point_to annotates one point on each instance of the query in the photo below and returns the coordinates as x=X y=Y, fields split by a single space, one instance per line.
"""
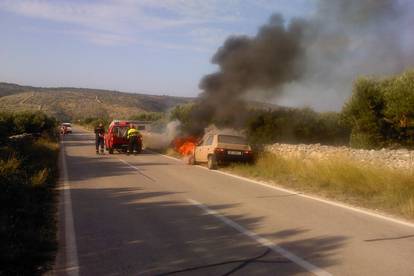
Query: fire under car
x=216 y=149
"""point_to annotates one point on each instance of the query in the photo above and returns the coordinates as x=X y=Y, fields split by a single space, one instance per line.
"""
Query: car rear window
x=230 y=139
x=120 y=131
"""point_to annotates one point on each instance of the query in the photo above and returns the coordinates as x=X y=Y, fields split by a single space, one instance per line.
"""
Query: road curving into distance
x=153 y=215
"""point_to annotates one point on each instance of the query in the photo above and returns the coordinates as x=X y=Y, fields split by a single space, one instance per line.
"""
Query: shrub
x=290 y=125
x=381 y=112
x=92 y=122
x=28 y=172
x=147 y=116
x=296 y=126
x=189 y=124
x=33 y=122
x=6 y=126
x=26 y=122
x=399 y=107
x=363 y=112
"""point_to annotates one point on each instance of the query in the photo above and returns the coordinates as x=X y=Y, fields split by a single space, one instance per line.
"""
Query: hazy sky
x=149 y=46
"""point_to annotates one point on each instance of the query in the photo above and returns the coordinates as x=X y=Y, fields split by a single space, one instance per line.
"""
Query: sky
x=159 y=47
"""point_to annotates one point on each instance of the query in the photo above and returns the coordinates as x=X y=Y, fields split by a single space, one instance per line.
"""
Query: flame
x=185 y=145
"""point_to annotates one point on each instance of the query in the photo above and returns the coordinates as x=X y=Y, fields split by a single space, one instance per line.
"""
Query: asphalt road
x=152 y=215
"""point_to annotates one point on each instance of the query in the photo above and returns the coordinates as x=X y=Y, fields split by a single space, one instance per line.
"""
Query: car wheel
x=212 y=162
x=111 y=150
x=191 y=159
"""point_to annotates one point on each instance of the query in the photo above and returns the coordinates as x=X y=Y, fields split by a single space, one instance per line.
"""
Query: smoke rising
x=161 y=139
x=348 y=39
x=265 y=61
x=309 y=61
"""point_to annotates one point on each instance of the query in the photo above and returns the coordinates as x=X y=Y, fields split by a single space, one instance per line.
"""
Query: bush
x=147 y=116
x=399 y=108
x=92 y=122
x=285 y=125
x=189 y=123
x=362 y=113
x=28 y=173
x=26 y=122
x=381 y=112
x=296 y=126
x=6 y=126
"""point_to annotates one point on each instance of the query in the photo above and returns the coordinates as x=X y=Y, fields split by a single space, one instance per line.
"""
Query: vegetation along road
x=153 y=215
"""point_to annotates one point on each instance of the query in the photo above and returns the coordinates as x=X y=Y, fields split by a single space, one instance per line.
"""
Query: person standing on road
x=99 y=137
x=133 y=135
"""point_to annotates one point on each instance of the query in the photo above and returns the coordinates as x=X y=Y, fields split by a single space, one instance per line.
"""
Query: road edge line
x=263 y=241
x=300 y=194
x=71 y=252
x=322 y=200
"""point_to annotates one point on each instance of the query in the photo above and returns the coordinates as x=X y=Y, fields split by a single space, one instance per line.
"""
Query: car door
x=208 y=147
x=198 y=152
x=205 y=148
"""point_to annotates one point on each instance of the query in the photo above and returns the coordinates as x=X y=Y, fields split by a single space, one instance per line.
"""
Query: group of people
x=132 y=136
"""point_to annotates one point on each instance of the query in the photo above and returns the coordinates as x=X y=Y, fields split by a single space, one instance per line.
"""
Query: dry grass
x=339 y=178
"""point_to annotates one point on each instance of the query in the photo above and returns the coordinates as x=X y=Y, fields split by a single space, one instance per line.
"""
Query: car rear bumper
x=123 y=145
x=120 y=146
x=225 y=158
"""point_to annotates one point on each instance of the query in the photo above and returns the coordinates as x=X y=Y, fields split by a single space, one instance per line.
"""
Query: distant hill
x=72 y=103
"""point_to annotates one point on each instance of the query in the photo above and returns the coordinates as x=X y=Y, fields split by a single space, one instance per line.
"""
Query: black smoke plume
x=309 y=61
x=265 y=61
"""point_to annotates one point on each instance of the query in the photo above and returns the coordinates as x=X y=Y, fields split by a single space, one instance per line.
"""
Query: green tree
x=399 y=106
x=364 y=113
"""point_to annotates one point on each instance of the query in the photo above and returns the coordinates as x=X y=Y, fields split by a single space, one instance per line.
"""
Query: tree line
x=380 y=113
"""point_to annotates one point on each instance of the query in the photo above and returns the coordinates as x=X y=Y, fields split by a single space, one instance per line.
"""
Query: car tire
x=111 y=150
x=191 y=159
x=212 y=162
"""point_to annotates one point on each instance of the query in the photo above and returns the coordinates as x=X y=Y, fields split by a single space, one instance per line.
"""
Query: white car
x=66 y=128
x=220 y=148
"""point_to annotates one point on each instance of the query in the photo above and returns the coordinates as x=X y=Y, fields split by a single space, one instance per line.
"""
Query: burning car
x=215 y=149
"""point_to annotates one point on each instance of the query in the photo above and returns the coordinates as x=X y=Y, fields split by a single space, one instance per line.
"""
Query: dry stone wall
x=395 y=159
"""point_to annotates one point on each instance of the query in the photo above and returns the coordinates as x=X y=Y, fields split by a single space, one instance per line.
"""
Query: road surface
x=152 y=215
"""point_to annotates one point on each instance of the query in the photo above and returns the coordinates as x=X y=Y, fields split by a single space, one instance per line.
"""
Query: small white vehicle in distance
x=66 y=128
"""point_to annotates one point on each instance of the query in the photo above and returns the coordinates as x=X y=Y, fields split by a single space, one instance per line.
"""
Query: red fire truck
x=116 y=136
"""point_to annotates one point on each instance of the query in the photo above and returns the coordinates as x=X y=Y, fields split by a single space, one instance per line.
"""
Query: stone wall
x=396 y=159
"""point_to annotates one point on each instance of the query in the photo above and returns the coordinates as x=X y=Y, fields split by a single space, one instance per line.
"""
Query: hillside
x=72 y=103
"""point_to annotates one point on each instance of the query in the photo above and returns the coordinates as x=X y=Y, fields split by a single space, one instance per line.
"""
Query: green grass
x=28 y=174
x=338 y=178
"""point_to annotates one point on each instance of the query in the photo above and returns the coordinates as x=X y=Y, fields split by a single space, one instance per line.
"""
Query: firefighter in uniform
x=133 y=135
x=99 y=138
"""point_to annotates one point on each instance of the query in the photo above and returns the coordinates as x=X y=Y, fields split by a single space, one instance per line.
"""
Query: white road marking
x=72 y=263
x=136 y=168
x=333 y=203
x=263 y=241
x=128 y=164
x=297 y=193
